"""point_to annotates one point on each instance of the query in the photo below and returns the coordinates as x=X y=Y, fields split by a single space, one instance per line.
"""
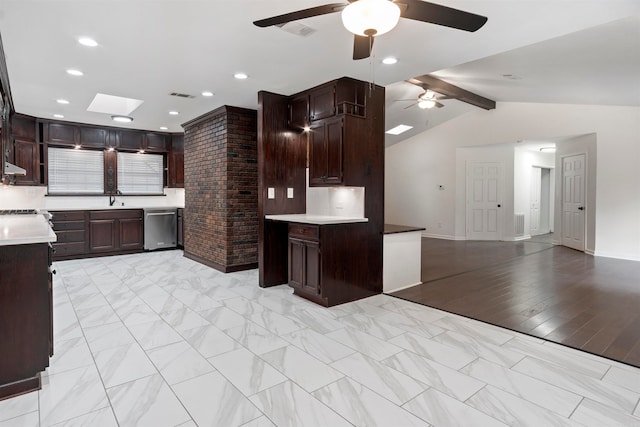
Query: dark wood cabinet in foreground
x=25 y=317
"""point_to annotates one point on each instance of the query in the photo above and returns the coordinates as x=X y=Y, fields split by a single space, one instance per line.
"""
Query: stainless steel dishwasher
x=160 y=228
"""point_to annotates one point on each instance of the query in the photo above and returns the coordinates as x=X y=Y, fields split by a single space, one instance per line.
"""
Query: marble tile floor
x=156 y=339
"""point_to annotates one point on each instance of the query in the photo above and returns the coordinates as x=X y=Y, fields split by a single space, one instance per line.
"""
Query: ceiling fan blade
x=300 y=14
x=412 y=105
x=362 y=46
x=441 y=15
x=439 y=105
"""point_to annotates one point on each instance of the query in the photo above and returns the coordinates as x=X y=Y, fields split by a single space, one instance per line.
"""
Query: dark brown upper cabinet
x=176 y=162
x=322 y=102
x=156 y=142
x=26 y=154
x=130 y=140
x=23 y=127
x=61 y=134
x=326 y=139
x=299 y=111
x=93 y=137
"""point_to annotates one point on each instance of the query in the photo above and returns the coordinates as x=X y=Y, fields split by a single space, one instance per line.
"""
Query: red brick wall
x=221 y=189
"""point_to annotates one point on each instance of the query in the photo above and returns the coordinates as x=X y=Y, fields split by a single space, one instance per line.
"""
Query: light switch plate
x=289 y=193
x=271 y=193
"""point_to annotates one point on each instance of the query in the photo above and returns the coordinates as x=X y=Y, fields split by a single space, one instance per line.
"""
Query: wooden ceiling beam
x=440 y=86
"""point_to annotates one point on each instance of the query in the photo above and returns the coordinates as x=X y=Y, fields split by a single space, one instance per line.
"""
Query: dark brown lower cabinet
x=116 y=231
x=94 y=233
x=25 y=317
x=180 y=228
x=327 y=264
x=304 y=265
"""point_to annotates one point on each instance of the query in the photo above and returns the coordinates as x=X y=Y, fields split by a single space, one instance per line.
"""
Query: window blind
x=140 y=173
x=75 y=171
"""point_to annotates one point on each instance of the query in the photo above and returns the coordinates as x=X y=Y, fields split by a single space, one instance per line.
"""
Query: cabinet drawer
x=311 y=232
x=68 y=215
x=64 y=249
x=116 y=214
x=68 y=225
x=71 y=236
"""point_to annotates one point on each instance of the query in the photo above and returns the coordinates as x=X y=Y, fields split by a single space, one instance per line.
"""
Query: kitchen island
x=26 y=317
x=324 y=256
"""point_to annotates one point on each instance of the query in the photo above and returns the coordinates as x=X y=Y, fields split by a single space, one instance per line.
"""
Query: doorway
x=541 y=216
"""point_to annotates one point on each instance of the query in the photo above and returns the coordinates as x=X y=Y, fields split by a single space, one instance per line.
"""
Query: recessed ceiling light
x=87 y=41
x=390 y=60
x=62 y=101
x=174 y=113
x=548 y=149
x=75 y=72
x=122 y=119
x=240 y=76
x=207 y=93
x=399 y=129
x=164 y=128
x=58 y=116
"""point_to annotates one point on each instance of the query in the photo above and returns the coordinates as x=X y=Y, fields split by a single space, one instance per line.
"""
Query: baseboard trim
x=442 y=236
x=518 y=238
x=626 y=257
x=401 y=288
x=220 y=267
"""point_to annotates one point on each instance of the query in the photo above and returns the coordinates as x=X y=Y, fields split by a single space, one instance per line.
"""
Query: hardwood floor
x=551 y=292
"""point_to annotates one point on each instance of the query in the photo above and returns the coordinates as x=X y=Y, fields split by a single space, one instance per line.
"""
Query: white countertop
x=315 y=219
x=25 y=229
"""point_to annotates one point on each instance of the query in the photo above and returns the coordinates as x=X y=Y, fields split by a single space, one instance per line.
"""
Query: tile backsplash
x=335 y=201
x=24 y=197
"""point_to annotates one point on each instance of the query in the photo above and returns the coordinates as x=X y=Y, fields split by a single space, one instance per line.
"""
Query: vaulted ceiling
x=557 y=51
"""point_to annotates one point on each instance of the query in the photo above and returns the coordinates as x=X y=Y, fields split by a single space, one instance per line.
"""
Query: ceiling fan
x=426 y=100
x=369 y=18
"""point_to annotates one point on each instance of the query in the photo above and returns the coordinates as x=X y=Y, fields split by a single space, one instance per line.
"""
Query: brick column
x=221 y=189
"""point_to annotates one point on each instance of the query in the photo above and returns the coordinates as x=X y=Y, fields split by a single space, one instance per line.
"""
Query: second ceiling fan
x=369 y=18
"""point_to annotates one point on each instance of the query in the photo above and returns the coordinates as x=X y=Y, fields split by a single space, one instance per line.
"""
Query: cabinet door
x=156 y=142
x=296 y=263
x=93 y=137
x=131 y=234
x=180 y=227
x=322 y=102
x=130 y=140
x=176 y=169
x=27 y=156
x=61 y=134
x=299 y=112
x=311 y=282
x=317 y=154
x=334 y=136
x=102 y=235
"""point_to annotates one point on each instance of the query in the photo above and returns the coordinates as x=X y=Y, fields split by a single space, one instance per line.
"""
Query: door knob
x=581 y=208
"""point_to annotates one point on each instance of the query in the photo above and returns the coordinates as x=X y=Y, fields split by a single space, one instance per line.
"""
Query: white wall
x=415 y=167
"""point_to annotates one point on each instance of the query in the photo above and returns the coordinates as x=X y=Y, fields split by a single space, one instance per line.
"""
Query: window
x=140 y=173
x=75 y=171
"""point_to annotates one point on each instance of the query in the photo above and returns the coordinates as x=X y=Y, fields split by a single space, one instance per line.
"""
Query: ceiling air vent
x=297 y=28
x=182 y=95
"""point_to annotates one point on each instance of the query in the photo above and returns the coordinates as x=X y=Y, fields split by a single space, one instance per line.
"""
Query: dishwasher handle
x=159 y=213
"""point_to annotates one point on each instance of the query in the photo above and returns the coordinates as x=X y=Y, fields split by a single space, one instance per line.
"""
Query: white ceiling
x=150 y=48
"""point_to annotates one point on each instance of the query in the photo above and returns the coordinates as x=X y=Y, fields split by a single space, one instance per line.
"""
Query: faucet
x=112 y=197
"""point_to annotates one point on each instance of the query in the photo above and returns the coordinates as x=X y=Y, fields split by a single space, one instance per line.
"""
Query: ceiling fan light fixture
x=426 y=103
x=370 y=17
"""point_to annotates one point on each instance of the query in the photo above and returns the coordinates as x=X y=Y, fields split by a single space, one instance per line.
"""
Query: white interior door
x=535 y=195
x=484 y=198
x=573 y=201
